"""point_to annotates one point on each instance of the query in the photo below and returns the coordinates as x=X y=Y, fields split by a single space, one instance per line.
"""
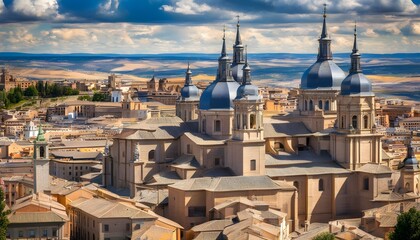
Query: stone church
x=322 y=162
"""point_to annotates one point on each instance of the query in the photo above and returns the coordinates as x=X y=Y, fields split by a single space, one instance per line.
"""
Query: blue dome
x=190 y=93
x=219 y=95
x=356 y=84
x=322 y=75
x=237 y=72
x=247 y=91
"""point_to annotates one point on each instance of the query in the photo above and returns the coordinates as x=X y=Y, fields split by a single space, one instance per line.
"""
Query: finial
x=188 y=68
x=355 y=50
x=325 y=10
x=224 y=32
x=237 y=16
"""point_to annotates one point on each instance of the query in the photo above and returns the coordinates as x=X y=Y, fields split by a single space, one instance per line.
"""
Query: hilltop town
x=170 y=159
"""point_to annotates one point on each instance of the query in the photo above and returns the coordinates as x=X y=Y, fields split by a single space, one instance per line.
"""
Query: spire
x=410 y=161
x=223 y=53
x=246 y=77
x=40 y=136
x=188 y=80
x=355 y=55
x=324 y=25
x=324 y=51
x=238 y=34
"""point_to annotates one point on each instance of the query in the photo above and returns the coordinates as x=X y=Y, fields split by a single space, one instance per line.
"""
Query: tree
x=99 y=97
x=31 y=91
x=41 y=89
x=408 y=226
x=4 y=221
x=324 y=236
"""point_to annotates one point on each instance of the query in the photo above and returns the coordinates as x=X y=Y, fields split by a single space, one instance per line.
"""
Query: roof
x=36 y=217
x=322 y=75
x=186 y=161
x=155 y=232
x=211 y=226
x=102 y=208
x=164 y=178
x=216 y=235
x=203 y=139
x=76 y=155
x=155 y=128
x=284 y=129
x=225 y=184
x=219 y=95
x=374 y=168
x=356 y=84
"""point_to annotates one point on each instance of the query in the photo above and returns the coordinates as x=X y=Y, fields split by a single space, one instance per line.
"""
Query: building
x=321 y=162
x=8 y=81
x=38 y=216
x=412 y=123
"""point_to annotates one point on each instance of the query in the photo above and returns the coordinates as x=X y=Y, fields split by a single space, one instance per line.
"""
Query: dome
x=219 y=95
x=190 y=93
x=322 y=75
x=247 y=91
x=356 y=84
x=237 y=72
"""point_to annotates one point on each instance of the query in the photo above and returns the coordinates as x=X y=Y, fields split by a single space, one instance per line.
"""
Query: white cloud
x=109 y=7
x=188 y=7
x=70 y=33
x=2 y=7
x=36 y=8
x=369 y=32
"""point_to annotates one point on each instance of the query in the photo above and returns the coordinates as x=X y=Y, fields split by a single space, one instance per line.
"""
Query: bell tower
x=41 y=163
x=355 y=141
x=187 y=103
x=246 y=149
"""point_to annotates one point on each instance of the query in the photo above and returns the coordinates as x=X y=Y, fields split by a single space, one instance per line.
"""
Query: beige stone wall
x=208 y=118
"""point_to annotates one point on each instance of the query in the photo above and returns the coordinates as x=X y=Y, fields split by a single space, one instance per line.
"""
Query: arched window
x=306 y=105
x=366 y=183
x=407 y=186
x=320 y=104
x=278 y=146
x=238 y=121
x=42 y=151
x=327 y=105
x=311 y=105
x=252 y=121
x=365 y=121
x=253 y=165
x=296 y=184
x=189 y=149
x=217 y=126
x=343 y=122
x=203 y=127
x=152 y=155
x=321 y=185
x=354 y=121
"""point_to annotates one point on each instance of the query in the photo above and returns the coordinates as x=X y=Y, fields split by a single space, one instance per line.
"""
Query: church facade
x=320 y=163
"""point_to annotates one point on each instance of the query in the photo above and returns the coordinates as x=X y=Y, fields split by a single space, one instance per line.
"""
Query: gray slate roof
x=285 y=129
x=374 y=168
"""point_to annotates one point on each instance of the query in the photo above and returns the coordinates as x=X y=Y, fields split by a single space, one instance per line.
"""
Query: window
x=216 y=161
x=366 y=183
x=343 y=122
x=407 y=186
x=189 y=149
x=321 y=185
x=152 y=155
x=320 y=104
x=93 y=223
x=217 y=126
x=42 y=151
x=238 y=121
x=311 y=105
x=365 y=121
x=106 y=228
x=354 y=121
x=253 y=165
x=252 y=121
x=44 y=232
x=278 y=146
x=203 y=127
x=296 y=184
x=20 y=233
x=327 y=105
x=306 y=105
x=196 y=211
x=31 y=233
x=127 y=227
x=137 y=226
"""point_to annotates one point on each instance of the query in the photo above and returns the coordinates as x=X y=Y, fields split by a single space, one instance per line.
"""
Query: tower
x=246 y=149
x=187 y=103
x=238 y=56
x=410 y=170
x=152 y=85
x=41 y=163
x=355 y=141
x=320 y=85
x=216 y=101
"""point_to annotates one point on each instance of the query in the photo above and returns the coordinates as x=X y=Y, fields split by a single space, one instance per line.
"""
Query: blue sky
x=171 y=26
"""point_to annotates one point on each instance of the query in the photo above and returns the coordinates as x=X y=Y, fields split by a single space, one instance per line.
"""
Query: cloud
x=188 y=7
x=109 y=7
x=36 y=8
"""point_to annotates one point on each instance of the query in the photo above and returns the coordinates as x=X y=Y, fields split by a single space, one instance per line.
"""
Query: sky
x=196 y=26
